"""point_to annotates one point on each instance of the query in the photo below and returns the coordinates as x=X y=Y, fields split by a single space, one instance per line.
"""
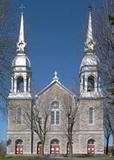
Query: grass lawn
x=61 y=158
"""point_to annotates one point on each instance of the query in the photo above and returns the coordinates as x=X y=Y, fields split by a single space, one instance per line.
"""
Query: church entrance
x=19 y=146
x=39 y=148
x=55 y=147
x=91 y=147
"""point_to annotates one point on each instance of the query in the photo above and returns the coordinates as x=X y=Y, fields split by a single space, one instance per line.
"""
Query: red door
x=55 y=149
x=39 y=149
x=19 y=149
x=91 y=149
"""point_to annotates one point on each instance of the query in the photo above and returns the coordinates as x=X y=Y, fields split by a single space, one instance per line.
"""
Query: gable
x=55 y=92
x=55 y=88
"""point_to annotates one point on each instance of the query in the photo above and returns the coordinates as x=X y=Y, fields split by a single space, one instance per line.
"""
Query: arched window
x=20 y=84
x=91 y=141
x=18 y=116
x=83 y=82
x=27 y=87
x=90 y=84
x=19 y=141
x=55 y=113
x=54 y=141
x=91 y=115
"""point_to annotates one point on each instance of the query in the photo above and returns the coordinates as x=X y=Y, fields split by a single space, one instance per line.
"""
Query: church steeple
x=21 y=41
x=90 y=43
x=89 y=69
x=21 y=68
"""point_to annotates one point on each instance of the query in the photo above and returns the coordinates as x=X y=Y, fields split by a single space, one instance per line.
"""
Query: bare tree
x=105 y=49
x=7 y=49
x=71 y=112
x=104 y=42
x=2 y=148
x=7 y=37
x=107 y=126
x=37 y=120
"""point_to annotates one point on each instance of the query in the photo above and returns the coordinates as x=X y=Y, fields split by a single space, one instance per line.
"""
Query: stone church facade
x=88 y=134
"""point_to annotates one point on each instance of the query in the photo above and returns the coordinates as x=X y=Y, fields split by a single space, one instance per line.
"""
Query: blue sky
x=55 y=34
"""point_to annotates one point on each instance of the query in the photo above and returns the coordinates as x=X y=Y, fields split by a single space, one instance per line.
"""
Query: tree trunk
x=70 y=149
x=107 y=143
x=107 y=147
x=31 y=142
x=113 y=144
x=42 y=148
x=70 y=141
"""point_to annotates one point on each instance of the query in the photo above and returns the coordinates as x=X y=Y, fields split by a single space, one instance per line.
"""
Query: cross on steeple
x=55 y=78
x=90 y=8
x=22 y=7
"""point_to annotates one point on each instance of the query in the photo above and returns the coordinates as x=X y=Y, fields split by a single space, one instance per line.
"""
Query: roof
x=53 y=83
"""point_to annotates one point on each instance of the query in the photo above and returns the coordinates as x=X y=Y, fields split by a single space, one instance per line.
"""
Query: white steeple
x=89 y=68
x=21 y=68
x=90 y=43
x=21 y=41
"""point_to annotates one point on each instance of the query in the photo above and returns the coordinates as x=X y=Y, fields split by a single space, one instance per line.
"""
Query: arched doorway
x=39 y=148
x=55 y=147
x=18 y=146
x=91 y=147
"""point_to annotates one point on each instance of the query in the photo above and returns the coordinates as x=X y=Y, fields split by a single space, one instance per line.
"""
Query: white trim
x=26 y=153
x=99 y=152
x=18 y=132
x=22 y=96
x=86 y=152
x=10 y=153
x=87 y=132
x=81 y=152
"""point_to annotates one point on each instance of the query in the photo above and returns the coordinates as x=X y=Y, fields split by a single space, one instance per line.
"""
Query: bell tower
x=89 y=69
x=91 y=133
x=21 y=68
x=19 y=100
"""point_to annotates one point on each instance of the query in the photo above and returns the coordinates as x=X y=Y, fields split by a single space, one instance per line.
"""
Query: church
x=87 y=134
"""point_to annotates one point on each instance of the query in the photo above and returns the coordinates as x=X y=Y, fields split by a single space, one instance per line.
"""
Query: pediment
x=54 y=88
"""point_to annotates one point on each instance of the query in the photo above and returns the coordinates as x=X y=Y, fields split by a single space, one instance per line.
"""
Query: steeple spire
x=21 y=42
x=90 y=43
